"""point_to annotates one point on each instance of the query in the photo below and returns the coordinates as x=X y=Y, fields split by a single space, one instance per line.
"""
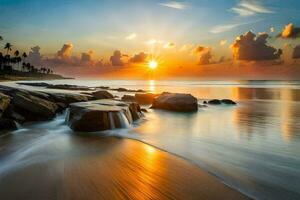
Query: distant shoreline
x=31 y=77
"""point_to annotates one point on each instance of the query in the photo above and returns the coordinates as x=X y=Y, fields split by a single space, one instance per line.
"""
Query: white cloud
x=175 y=5
x=224 y=28
x=243 y=12
x=132 y=36
x=250 y=7
x=228 y=27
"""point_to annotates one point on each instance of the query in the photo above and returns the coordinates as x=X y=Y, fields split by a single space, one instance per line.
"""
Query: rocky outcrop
x=23 y=105
x=128 y=98
x=32 y=107
x=55 y=86
x=145 y=98
x=102 y=115
x=102 y=94
x=176 y=102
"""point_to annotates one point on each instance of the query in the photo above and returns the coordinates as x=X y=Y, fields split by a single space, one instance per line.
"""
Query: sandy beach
x=65 y=166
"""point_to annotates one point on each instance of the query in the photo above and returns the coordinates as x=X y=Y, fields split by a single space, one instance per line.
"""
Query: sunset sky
x=100 y=33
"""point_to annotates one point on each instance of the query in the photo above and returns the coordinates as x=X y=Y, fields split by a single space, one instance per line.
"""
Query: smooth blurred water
x=253 y=147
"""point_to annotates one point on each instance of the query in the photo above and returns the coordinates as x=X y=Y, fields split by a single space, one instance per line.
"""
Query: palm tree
x=23 y=66
x=1 y=38
x=17 y=53
x=18 y=59
x=24 y=55
x=1 y=60
x=28 y=67
x=8 y=47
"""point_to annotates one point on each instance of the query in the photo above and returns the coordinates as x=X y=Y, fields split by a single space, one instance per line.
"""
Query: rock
x=33 y=108
x=36 y=84
x=129 y=98
x=55 y=86
x=127 y=90
x=102 y=115
x=102 y=94
x=223 y=101
x=135 y=111
x=68 y=87
x=103 y=87
x=4 y=103
x=176 y=102
x=228 y=102
x=7 y=125
x=121 y=89
x=145 y=98
x=68 y=98
x=204 y=102
x=215 y=102
x=10 y=113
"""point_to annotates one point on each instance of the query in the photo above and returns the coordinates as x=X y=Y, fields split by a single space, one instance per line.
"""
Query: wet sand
x=67 y=166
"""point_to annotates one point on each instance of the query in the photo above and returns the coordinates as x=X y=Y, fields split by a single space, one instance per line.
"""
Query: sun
x=152 y=64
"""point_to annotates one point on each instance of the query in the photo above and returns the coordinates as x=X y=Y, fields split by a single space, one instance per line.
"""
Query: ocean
x=253 y=147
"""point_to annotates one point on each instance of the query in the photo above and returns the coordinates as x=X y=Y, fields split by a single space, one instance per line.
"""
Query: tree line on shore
x=16 y=62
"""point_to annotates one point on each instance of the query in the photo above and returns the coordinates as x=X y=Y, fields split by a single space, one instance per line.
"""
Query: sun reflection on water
x=151 y=85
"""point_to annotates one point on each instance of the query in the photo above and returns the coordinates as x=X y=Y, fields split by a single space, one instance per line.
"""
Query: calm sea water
x=253 y=147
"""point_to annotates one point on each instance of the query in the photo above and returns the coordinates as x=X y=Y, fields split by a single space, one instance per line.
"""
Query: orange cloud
x=65 y=51
x=290 y=31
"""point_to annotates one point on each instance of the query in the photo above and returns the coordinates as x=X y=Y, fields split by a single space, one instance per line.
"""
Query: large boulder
x=32 y=107
x=145 y=98
x=102 y=94
x=176 y=102
x=4 y=103
x=102 y=115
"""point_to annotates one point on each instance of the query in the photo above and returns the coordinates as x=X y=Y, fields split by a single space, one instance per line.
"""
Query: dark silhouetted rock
x=101 y=115
x=36 y=84
x=145 y=98
x=228 y=102
x=215 y=102
x=7 y=125
x=102 y=94
x=204 y=102
x=128 y=98
x=176 y=102
x=127 y=90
